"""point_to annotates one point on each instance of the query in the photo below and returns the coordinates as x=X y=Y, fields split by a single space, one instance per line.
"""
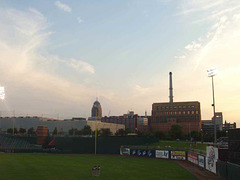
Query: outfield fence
x=226 y=169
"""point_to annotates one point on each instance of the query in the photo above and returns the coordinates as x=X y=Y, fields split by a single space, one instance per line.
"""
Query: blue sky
x=57 y=56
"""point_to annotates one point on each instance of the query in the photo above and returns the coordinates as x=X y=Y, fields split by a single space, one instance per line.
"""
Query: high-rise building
x=96 y=110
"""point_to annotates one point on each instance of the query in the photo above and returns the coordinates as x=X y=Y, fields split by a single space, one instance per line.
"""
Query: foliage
x=86 y=130
x=196 y=135
x=221 y=134
x=72 y=131
x=55 y=132
x=105 y=132
x=10 y=131
x=208 y=137
x=159 y=135
x=31 y=131
x=176 y=132
x=22 y=131
x=121 y=132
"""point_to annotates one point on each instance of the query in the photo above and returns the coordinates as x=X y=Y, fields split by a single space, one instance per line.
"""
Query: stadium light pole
x=211 y=73
x=2 y=96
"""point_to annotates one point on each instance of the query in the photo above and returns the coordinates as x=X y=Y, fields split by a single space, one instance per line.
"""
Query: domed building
x=96 y=109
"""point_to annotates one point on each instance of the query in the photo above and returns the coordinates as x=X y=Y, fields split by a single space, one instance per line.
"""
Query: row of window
x=179 y=119
x=176 y=112
x=176 y=107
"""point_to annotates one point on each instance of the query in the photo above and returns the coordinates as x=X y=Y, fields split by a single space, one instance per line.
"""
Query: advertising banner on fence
x=162 y=154
x=193 y=158
x=180 y=155
x=212 y=152
x=143 y=152
x=124 y=151
x=211 y=164
x=201 y=161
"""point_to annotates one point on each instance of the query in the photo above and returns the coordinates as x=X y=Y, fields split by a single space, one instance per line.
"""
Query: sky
x=56 y=57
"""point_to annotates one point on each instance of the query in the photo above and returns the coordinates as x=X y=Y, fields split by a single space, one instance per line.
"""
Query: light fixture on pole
x=212 y=72
x=2 y=93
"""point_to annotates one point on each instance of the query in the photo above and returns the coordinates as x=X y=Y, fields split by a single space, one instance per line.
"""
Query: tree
x=55 y=131
x=176 y=132
x=121 y=132
x=73 y=131
x=22 y=131
x=196 y=135
x=105 y=132
x=98 y=133
x=140 y=133
x=31 y=131
x=10 y=131
x=86 y=130
x=159 y=134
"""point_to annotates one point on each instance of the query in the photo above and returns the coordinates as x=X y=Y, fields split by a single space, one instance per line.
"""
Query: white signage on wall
x=201 y=161
x=162 y=154
x=212 y=152
x=211 y=159
x=211 y=164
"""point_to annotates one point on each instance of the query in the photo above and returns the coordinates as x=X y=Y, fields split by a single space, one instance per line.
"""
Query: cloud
x=81 y=66
x=180 y=57
x=208 y=10
x=218 y=47
x=30 y=77
x=193 y=46
x=62 y=6
x=79 y=20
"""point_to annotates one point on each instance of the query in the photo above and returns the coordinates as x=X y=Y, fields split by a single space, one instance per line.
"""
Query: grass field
x=180 y=144
x=46 y=166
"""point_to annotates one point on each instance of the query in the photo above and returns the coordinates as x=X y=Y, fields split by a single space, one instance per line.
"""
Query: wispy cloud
x=193 y=46
x=180 y=57
x=217 y=47
x=63 y=6
x=81 y=66
x=22 y=64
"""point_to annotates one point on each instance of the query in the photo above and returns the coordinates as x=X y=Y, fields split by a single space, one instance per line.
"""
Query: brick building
x=185 y=114
x=130 y=120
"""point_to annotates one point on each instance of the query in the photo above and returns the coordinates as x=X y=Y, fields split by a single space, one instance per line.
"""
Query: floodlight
x=2 y=93
x=212 y=72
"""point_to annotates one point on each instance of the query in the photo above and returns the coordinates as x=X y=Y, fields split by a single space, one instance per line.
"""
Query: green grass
x=180 y=144
x=46 y=166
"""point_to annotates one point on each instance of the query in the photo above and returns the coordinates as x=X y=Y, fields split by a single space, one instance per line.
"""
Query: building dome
x=96 y=109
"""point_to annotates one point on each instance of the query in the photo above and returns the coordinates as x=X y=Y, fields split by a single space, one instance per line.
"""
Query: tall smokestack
x=170 y=88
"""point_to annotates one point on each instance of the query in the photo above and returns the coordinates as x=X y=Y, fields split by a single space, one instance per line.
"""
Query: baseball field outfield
x=56 y=166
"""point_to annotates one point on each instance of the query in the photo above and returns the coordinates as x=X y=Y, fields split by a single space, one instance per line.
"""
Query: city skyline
x=57 y=56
